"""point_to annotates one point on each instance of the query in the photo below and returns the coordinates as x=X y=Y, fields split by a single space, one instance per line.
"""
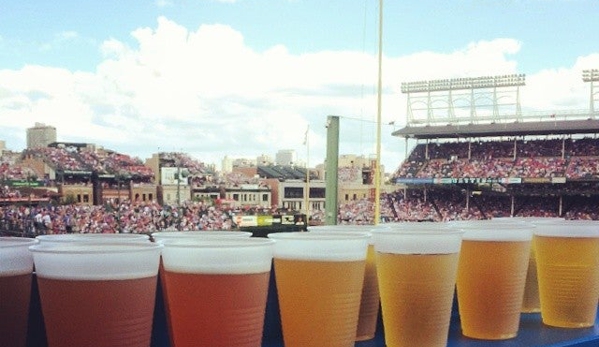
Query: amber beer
x=417 y=274
x=216 y=290
x=97 y=294
x=370 y=300
x=162 y=236
x=491 y=277
x=98 y=312
x=16 y=265
x=319 y=280
x=568 y=271
x=531 y=303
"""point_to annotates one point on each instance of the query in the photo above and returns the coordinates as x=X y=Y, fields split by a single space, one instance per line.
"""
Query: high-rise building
x=286 y=157
x=227 y=165
x=41 y=135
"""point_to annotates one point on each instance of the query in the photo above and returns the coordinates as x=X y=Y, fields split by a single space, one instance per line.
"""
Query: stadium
x=478 y=156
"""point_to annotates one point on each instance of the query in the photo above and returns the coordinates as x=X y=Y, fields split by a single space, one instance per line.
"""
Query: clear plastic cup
x=531 y=303
x=491 y=278
x=216 y=290
x=167 y=236
x=97 y=294
x=568 y=271
x=369 y=302
x=319 y=280
x=16 y=266
x=416 y=268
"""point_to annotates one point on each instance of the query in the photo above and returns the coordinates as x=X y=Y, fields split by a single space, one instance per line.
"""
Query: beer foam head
x=330 y=246
x=163 y=235
x=569 y=228
x=96 y=261
x=499 y=231
x=485 y=223
x=61 y=238
x=533 y=220
x=344 y=228
x=15 y=258
x=239 y=255
x=423 y=240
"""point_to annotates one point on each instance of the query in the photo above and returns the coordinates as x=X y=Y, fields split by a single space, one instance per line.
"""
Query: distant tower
x=227 y=165
x=41 y=135
x=286 y=157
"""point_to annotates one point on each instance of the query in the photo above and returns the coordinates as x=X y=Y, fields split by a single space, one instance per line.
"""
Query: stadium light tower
x=465 y=90
x=592 y=76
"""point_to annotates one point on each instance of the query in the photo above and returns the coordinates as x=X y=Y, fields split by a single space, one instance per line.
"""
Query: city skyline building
x=40 y=135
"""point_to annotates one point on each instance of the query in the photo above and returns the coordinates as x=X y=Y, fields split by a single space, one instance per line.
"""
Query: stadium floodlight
x=514 y=80
x=590 y=75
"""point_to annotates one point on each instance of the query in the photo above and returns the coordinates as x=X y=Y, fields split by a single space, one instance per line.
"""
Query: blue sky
x=247 y=77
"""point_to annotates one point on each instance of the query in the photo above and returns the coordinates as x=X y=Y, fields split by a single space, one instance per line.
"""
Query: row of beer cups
x=100 y=290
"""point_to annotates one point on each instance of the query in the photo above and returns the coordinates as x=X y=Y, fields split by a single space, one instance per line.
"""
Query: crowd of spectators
x=570 y=158
x=124 y=217
x=574 y=159
x=408 y=205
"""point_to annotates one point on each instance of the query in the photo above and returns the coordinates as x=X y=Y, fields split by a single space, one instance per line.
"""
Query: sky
x=244 y=78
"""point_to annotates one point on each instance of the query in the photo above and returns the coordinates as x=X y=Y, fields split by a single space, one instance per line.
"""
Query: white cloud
x=206 y=92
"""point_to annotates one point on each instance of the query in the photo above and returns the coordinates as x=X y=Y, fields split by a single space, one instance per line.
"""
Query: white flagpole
x=377 y=171
x=307 y=192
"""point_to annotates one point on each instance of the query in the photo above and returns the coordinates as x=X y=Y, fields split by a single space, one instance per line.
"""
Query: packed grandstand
x=438 y=181
x=470 y=162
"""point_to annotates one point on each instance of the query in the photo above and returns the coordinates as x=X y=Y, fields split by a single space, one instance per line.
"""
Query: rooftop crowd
x=570 y=158
x=574 y=159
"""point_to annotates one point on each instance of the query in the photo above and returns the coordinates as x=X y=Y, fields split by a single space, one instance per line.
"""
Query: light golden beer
x=531 y=303
x=370 y=301
x=319 y=279
x=568 y=270
x=491 y=276
x=416 y=269
x=417 y=294
x=316 y=299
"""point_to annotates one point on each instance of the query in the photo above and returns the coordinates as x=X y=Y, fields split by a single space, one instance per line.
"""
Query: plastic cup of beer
x=568 y=271
x=491 y=278
x=369 y=303
x=162 y=236
x=531 y=303
x=417 y=275
x=216 y=290
x=97 y=294
x=16 y=266
x=319 y=280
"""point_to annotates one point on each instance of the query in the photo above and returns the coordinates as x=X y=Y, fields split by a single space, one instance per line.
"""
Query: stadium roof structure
x=283 y=172
x=528 y=128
